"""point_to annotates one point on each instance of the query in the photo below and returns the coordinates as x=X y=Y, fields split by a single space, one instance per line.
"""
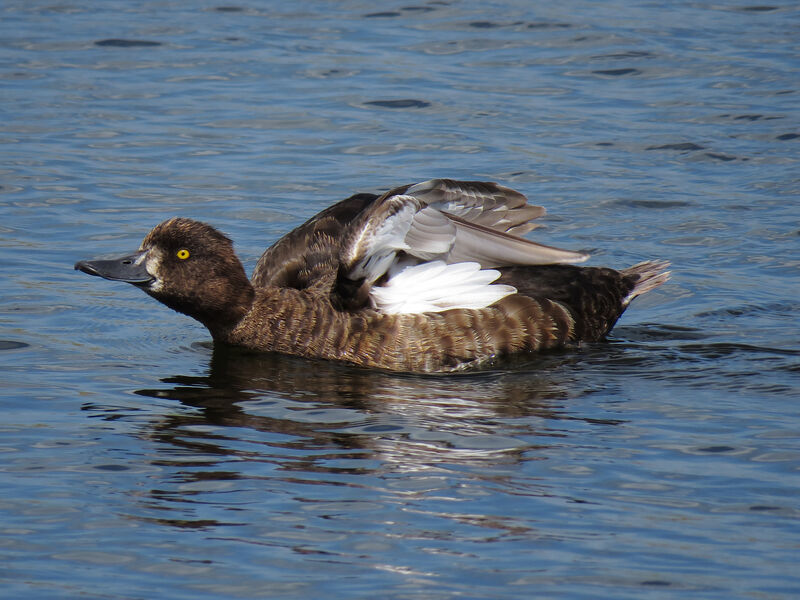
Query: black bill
x=129 y=268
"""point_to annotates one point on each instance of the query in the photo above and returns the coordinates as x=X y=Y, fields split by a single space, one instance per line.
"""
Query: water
x=139 y=462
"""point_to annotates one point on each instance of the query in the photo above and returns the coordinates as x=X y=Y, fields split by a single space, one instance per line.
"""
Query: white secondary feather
x=381 y=243
x=436 y=286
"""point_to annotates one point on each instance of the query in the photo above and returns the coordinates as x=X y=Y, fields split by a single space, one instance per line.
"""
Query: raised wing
x=448 y=221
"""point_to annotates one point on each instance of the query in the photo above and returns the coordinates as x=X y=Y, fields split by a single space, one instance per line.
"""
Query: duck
x=432 y=277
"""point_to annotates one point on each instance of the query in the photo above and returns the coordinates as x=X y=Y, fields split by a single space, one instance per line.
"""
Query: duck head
x=188 y=266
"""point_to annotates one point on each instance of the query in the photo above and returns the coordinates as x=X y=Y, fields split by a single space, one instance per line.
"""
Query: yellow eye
x=183 y=254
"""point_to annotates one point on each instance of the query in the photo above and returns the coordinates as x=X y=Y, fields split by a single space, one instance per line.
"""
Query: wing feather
x=447 y=221
x=436 y=286
x=492 y=248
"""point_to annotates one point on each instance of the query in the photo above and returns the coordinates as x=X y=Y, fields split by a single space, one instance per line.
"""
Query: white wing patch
x=436 y=286
x=379 y=245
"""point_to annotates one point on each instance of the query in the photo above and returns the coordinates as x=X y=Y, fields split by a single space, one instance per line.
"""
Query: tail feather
x=650 y=274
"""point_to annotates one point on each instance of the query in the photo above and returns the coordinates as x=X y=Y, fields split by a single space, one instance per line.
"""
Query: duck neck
x=220 y=303
x=223 y=318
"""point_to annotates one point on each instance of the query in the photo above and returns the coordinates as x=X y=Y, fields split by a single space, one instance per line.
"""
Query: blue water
x=138 y=462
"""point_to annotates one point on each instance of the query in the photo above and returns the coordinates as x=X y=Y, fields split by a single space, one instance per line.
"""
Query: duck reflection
x=319 y=405
x=292 y=422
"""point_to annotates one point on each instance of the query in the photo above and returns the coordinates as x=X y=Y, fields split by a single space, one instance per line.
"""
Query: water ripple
x=661 y=462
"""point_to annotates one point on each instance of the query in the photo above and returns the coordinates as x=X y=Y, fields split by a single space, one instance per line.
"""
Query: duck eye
x=183 y=254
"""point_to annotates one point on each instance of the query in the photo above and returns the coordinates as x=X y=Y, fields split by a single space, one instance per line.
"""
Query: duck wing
x=449 y=221
x=309 y=254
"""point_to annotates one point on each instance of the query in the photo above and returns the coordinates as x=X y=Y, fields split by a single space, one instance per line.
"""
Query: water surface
x=139 y=461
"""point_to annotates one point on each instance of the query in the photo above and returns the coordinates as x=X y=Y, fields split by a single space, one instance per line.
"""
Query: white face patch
x=152 y=262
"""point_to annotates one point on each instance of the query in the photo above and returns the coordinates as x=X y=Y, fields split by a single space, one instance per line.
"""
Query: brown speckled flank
x=304 y=299
x=298 y=322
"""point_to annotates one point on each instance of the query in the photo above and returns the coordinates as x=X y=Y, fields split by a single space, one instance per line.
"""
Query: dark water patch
x=655 y=583
x=617 y=72
x=484 y=25
x=229 y=9
x=12 y=345
x=189 y=524
x=543 y=25
x=723 y=157
x=725 y=349
x=19 y=75
x=123 y=43
x=748 y=117
x=111 y=467
x=721 y=366
x=717 y=449
x=493 y=25
x=759 y=8
x=382 y=428
x=659 y=332
x=108 y=412
x=762 y=508
x=787 y=136
x=652 y=203
x=751 y=309
x=398 y=13
x=627 y=54
x=405 y=103
x=682 y=147
x=331 y=73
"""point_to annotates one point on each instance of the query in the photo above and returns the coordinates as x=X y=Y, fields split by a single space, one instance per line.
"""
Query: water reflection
x=325 y=404
x=235 y=375
x=287 y=421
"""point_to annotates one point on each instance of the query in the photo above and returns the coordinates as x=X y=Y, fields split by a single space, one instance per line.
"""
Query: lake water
x=138 y=462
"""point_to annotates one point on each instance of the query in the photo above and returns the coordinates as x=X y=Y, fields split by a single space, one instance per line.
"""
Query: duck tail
x=648 y=275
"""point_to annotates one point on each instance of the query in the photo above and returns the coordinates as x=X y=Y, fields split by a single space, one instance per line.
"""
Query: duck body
x=432 y=277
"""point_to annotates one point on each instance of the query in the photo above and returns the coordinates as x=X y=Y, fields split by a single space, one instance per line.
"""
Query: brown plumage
x=382 y=281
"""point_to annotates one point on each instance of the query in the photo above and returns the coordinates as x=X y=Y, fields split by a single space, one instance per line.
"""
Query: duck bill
x=129 y=268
